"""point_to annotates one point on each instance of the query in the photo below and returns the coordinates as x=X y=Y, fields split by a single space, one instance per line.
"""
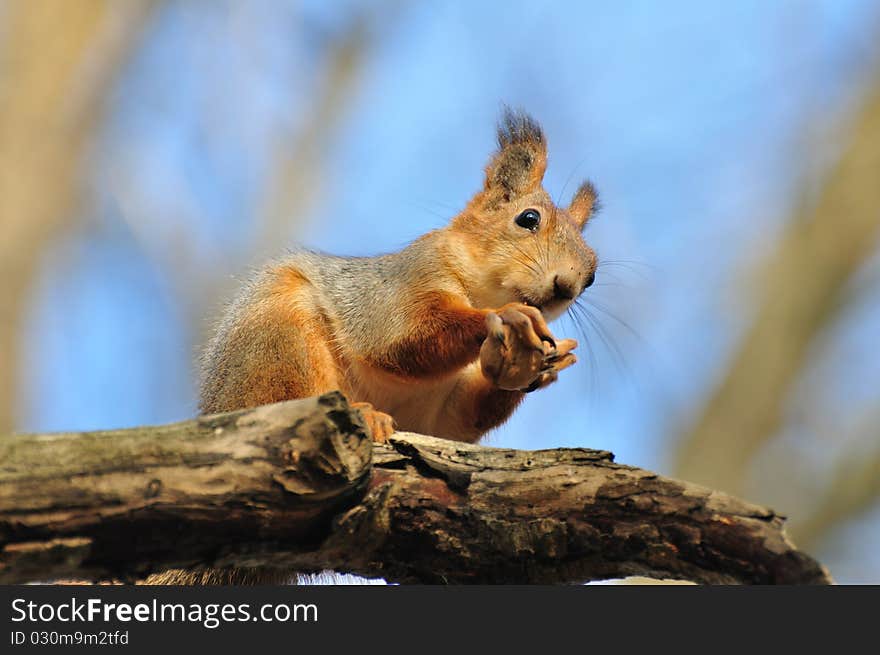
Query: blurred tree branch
x=291 y=190
x=57 y=61
x=297 y=170
x=288 y=193
x=854 y=486
x=803 y=289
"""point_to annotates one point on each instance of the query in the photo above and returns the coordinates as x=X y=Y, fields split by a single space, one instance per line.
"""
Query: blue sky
x=699 y=123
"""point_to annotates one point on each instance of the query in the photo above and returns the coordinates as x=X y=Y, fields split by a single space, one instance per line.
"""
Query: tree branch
x=297 y=486
x=854 y=484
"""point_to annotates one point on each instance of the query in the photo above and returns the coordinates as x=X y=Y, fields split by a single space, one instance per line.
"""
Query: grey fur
x=342 y=288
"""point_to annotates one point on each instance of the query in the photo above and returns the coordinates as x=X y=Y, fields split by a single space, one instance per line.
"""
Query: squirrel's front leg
x=380 y=424
x=443 y=336
x=446 y=335
x=517 y=353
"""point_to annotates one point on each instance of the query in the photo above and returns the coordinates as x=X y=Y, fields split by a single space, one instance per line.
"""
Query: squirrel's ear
x=518 y=166
x=584 y=203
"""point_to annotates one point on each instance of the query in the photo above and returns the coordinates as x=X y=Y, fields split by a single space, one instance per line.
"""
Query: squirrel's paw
x=520 y=353
x=553 y=363
x=380 y=424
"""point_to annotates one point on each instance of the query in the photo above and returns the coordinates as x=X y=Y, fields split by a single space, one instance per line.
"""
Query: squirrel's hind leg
x=380 y=424
x=276 y=347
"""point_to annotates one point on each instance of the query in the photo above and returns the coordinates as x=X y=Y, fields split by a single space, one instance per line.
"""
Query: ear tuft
x=517 y=127
x=518 y=166
x=584 y=204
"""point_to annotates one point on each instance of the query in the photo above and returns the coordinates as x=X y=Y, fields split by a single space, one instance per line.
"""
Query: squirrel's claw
x=379 y=424
x=523 y=325
x=495 y=326
x=562 y=349
x=539 y=323
x=559 y=364
x=546 y=378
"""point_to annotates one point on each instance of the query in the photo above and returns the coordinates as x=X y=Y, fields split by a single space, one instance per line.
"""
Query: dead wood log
x=298 y=486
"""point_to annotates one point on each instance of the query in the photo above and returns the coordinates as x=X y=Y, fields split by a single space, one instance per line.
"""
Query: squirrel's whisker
x=587 y=339
x=604 y=309
x=608 y=340
x=568 y=181
x=538 y=269
x=630 y=266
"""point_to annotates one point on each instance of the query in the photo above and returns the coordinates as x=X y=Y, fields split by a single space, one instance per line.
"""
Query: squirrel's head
x=523 y=248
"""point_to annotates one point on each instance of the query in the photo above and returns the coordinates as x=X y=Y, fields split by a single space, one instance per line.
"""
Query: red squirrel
x=444 y=337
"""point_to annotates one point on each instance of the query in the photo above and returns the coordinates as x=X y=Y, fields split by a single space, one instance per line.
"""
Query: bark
x=298 y=486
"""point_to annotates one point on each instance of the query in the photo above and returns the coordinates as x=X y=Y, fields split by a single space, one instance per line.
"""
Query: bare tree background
x=57 y=64
x=806 y=287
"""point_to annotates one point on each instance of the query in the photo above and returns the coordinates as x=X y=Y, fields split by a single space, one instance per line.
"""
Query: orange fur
x=280 y=350
x=584 y=203
x=447 y=335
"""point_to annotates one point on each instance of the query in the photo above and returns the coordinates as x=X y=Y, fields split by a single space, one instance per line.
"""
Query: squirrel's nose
x=563 y=289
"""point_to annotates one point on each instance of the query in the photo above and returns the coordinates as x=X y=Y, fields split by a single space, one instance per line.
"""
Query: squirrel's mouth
x=550 y=307
x=525 y=299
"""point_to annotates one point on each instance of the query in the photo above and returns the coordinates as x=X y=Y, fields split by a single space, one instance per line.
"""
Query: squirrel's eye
x=529 y=219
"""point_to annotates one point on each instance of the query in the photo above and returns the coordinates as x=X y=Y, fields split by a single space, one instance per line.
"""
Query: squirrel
x=444 y=337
